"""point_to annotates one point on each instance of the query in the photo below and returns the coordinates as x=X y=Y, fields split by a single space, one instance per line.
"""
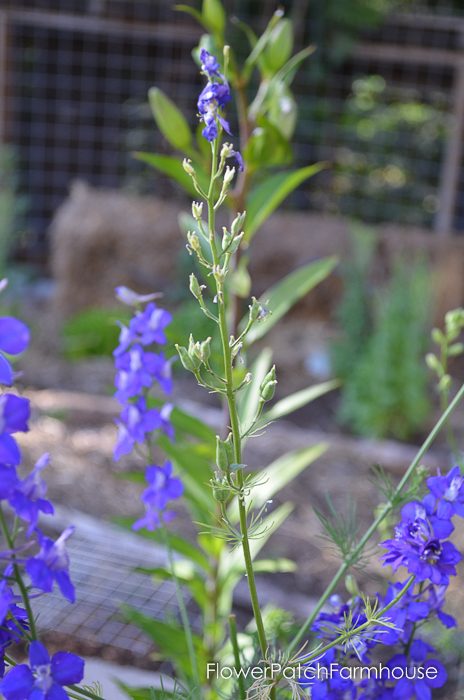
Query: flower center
x=432 y=552
x=43 y=678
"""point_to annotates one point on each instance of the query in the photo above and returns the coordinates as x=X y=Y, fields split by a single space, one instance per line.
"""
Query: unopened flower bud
x=196 y=287
x=193 y=241
x=186 y=360
x=226 y=150
x=237 y=224
x=188 y=167
x=197 y=210
x=229 y=175
x=222 y=455
x=255 y=309
x=267 y=388
x=226 y=238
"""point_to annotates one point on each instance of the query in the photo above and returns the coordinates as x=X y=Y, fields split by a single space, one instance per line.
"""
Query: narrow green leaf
x=283 y=295
x=299 y=399
x=170 y=166
x=170 y=120
x=273 y=566
x=214 y=16
x=190 y=11
x=269 y=194
x=248 y=399
x=190 y=425
x=278 y=474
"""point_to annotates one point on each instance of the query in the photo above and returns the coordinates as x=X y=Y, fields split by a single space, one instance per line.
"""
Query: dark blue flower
x=326 y=679
x=137 y=370
x=148 y=325
x=410 y=609
x=162 y=489
x=415 y=686
x=51 y=565
x=44 y=677
x=14 y=339
x=418 y=548
x=14 y=416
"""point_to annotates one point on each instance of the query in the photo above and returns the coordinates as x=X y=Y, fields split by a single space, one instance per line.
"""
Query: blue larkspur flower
x=416 y=686
x=163 y=488
x=14 y=339
x=44 y=677
x=136 y=371
x=323 y=680
x=418 y=548
x=135 y=424
x=209 y=64
x=51 y=565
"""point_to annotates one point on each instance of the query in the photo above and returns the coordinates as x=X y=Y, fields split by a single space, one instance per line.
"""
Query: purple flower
x=209 y=64
x=51 y=565
x=418 y=548
x=131 y=298
x=162 y=488
x=447 y=492
x=325 y=682
x=148 y=325
x=213 y=97
x=136 y=422
x=28 y=497
x=44 y=677
x=14 y=415
x=8 y=481
x=410 y=608
x=414 y=686
x=138 y=369
x=14 y=339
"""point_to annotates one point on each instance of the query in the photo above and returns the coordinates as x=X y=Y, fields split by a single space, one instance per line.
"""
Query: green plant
x=386 y=392
x=91 y=333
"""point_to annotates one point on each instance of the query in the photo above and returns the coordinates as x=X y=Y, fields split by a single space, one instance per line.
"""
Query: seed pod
x=267 y=388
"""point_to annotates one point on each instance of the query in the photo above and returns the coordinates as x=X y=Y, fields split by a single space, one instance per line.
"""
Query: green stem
x=183 y=614
x=388 y=507
x=237 y=662
x=233 y=415
x=17 y=576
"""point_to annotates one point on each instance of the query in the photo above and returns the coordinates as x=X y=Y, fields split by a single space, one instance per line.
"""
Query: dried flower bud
x=196 y=287
x=229 y=175
x=193 y=241
x=237 y=224
x=185 y=359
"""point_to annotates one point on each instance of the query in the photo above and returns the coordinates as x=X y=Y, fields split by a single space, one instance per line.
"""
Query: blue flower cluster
x=43 y=560
x=420 y=545
x=138 y=372
x=213 y=98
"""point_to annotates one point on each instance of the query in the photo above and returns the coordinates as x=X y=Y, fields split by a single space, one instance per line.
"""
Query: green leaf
x=273 y=566
x=186 y=574
x=280 y=45
x=169 y=638
x=267 y=146
x=170 y=120
x=186 y=423
x=269 y=194
x=298 y=400
x=283 y=295
x=288 y=71
x=248 y=398
x=190 y=11
x=278 y=474
x=170 y=166
x=214 y=16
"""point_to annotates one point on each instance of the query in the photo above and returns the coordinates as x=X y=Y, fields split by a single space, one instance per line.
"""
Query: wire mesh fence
x=387 y=113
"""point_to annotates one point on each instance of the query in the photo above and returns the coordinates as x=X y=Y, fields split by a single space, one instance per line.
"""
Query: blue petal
x=67 y=668
x=40 y=575
x=17 y=683
x=6 y=372
x=56 y=692
x=38 y=655
x=9 y=450
x=14 y=335
x=66 y=586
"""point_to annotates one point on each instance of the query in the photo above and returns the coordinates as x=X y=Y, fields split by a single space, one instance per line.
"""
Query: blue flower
x=137 y=421
x=28 y=496
x=417 y=547
x=447 y=492
x=415 y=686
x=51 y=565
x=14 y=415
x=209 y=64
x=410 y=609
x=323 y=680
x=213 y=98
x=14 y=339
x=8 y=481
x=148 y=325
x=137 y=369
x=162 y=489
x=44 y=677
